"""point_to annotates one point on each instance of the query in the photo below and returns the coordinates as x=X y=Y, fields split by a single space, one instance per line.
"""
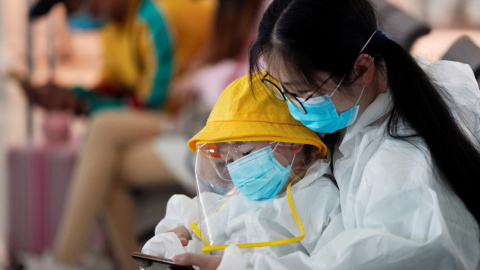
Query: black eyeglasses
x=282 y=94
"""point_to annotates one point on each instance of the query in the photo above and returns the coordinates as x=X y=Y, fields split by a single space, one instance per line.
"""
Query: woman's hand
x=182 y=234
x=205 y=262
x=49 y=96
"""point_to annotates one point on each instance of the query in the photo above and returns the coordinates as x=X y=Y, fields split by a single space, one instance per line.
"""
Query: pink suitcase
x=25 y=180
x=37 y=180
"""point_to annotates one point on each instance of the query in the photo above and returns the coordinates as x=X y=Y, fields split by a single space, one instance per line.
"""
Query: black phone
x=156 y=263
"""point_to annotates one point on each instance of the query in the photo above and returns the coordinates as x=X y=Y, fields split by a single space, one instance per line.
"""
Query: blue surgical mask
x=322 y=115
x=83 y=20
x=259 y=175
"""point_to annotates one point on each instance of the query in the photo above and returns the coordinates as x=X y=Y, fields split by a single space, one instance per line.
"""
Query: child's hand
x=182 y=234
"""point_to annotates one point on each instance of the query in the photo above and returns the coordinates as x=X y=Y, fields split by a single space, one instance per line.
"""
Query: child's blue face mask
x=259 y=175
x=322 y=115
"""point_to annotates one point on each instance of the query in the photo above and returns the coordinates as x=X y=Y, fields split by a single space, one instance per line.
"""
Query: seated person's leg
x=95 y=175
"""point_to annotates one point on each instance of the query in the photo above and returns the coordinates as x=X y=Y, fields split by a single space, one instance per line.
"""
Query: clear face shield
x=234 y=179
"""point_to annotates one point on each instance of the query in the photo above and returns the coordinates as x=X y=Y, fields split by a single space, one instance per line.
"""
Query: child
x=263 y=183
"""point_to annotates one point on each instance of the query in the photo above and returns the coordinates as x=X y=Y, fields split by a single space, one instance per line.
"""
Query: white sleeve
x=235 y=258
x=181 y=211
x=318 y=207
x=458 y=80
x=165 y=245
x=404 y=219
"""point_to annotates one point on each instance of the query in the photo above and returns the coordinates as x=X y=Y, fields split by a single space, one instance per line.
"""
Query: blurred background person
x=132 y=148
x=145 y=44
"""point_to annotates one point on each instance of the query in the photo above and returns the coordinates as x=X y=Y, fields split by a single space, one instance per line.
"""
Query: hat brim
x=228 y=131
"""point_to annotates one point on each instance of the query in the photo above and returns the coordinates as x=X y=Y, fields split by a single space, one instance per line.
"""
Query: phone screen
x=156 y=263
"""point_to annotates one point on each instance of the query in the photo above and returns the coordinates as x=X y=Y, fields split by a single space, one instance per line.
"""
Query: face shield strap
x=208 y=247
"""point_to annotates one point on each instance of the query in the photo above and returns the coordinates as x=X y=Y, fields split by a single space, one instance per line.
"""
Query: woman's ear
x=364 y=69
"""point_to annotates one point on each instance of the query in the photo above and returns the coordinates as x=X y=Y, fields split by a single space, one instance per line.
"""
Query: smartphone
x=156 y=263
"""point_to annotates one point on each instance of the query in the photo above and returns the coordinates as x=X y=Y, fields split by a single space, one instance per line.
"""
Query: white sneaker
x=96 y=261
x=45 y=261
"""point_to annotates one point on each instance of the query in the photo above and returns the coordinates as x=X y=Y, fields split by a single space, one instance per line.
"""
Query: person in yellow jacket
x=146 y=44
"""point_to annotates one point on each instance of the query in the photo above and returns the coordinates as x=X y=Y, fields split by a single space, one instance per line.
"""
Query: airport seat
x=402 y=27
x=466 y=51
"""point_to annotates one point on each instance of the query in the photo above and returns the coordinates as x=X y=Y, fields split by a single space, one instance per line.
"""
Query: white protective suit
x=316 y=201
x=396 y=211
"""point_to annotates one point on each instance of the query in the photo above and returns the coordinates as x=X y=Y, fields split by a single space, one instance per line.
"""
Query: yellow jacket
x=144 y=53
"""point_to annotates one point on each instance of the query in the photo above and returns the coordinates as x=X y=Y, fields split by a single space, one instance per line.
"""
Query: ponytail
x=308 y=36
x=419 y=102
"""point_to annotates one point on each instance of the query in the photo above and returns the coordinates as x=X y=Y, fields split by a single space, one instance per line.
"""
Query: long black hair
x=232 y=42
x=308 y=36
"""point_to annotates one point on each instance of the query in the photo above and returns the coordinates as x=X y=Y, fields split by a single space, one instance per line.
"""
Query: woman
x=404 y=134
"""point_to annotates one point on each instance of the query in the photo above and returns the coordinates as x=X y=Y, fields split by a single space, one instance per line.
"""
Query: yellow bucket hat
x=243 y=114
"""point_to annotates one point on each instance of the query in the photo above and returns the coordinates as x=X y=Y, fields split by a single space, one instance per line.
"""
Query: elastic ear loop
x=338 y=85
x=208 y=247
